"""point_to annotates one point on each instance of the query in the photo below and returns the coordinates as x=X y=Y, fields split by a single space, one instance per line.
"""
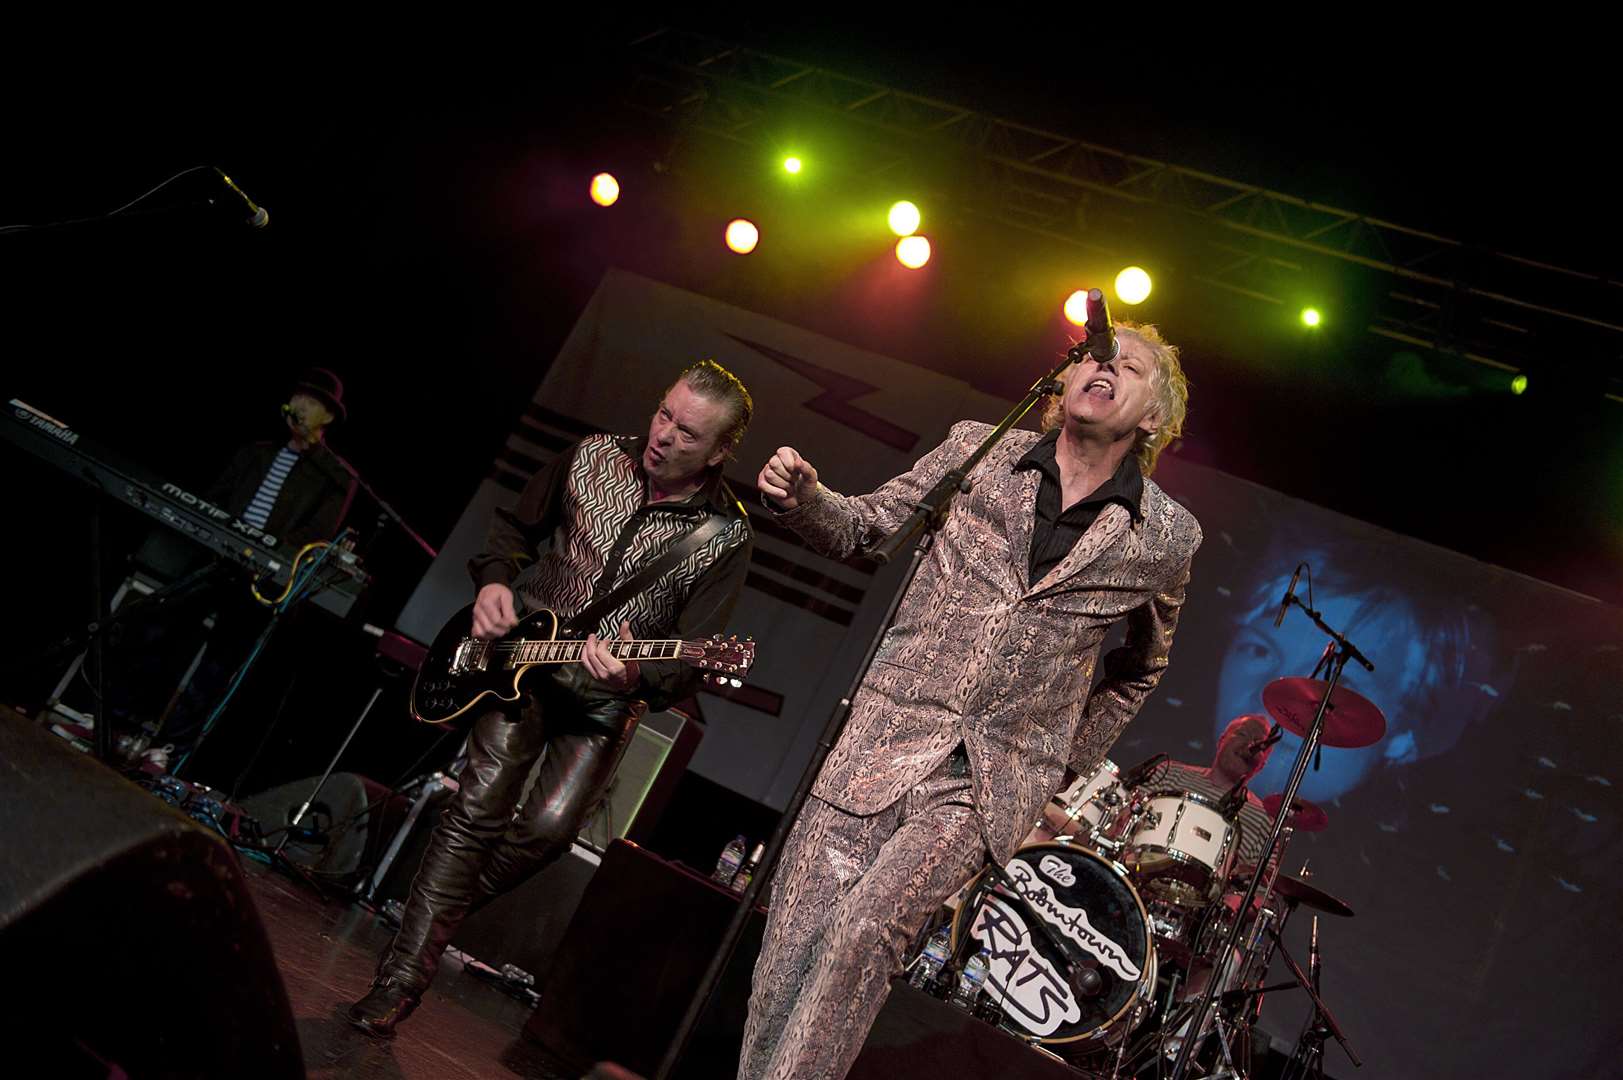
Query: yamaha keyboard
x=219 y=531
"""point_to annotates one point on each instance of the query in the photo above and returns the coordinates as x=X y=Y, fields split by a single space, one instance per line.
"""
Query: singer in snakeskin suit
x=978 y=702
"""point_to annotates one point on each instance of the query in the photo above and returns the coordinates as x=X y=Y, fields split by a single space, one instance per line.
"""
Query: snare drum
x=1093 y=911
x=1088 y=809
x=1179 y=847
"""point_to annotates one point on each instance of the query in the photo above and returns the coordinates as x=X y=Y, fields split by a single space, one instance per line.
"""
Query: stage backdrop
x=1478 y=843
x=859 y=416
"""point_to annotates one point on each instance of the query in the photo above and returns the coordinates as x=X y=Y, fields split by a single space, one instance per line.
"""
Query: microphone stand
x=1336 y=655
x=1310 y=1048
x=928 y=516
x=388 y=511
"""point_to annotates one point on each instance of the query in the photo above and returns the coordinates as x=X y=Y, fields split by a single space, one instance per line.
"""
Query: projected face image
x=1378 y=621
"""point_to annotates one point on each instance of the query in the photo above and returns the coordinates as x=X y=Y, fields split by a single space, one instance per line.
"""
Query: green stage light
x=792 y=165
x=1311 y=318
x=1518 y=383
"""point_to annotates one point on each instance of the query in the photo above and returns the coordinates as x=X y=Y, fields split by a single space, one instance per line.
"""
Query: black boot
x=388 y=1003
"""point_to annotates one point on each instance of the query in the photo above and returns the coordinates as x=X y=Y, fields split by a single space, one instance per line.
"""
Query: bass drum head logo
x=1094 y=915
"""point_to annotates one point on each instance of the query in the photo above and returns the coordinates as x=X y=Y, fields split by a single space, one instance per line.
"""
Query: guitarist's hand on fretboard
x=621 y=676
x=493 y=614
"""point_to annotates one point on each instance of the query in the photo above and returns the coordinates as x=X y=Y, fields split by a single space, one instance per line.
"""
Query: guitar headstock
x=728 y=658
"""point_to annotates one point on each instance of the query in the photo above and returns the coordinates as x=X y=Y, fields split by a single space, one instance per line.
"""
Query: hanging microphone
x=259 y=217
x=1273 y=736
x=1290 y=592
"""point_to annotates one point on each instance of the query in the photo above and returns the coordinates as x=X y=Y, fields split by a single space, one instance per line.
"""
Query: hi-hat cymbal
x=1305 y=816
x=1351 y=721
x=1294 y=888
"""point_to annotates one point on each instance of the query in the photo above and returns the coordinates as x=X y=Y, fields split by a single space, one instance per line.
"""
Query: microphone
x=1085 y=979
x=1101 y=340
x=1272 y=737
x=1104 y=348
x=1290 y=592
x=258 y=216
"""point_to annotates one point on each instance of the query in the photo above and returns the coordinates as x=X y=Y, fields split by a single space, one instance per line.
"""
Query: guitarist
x=586 y=525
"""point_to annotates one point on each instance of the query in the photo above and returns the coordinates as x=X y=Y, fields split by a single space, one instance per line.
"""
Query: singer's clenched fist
x=787 y=478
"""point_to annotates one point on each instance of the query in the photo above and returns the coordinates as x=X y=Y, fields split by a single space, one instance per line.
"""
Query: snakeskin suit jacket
x=980 y=654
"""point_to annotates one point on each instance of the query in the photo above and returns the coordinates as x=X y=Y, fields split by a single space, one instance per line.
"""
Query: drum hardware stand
x=1308 y=1059
x=1336 y=654
x=1223 y=1039
x=928 y=517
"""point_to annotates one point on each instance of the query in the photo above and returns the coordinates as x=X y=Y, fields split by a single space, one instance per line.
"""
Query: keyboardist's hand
x=493 y=613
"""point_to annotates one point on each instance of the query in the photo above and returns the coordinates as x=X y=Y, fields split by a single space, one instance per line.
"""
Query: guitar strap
x=586 y=620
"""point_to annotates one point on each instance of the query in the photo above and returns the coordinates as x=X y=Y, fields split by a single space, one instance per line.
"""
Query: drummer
x=1241 y=754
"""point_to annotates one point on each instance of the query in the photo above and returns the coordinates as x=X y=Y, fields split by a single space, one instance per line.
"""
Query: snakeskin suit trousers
x=850 y=895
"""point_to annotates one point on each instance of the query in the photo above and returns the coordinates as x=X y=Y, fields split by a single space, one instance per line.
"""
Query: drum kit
x=1106 y=925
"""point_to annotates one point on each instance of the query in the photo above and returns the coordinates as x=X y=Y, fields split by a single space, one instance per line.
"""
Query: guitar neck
x=568 y=652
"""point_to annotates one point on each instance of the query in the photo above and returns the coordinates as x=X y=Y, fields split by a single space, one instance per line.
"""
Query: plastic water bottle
x=929 y=962
x=741 y=880
x=970 y=982
x=731 y=856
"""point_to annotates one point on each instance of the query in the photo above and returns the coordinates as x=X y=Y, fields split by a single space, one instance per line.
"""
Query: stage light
x=605 y=189
x=1518 y=384
x=1076 y=307
x=904 y=219
x=1132 y=285
x=1311 y=318
x=742 y=236
x=791 y=165
x=912 y=251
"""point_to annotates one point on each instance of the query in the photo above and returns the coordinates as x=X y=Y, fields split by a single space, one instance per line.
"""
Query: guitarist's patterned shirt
x=583 y=525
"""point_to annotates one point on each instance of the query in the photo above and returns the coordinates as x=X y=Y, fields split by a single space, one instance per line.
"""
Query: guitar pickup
x=471 y=655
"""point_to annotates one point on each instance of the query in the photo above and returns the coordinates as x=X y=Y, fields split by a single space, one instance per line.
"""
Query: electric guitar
x=461 y=670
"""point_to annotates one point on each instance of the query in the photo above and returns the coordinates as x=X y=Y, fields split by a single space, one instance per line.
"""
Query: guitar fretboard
x=567 y=652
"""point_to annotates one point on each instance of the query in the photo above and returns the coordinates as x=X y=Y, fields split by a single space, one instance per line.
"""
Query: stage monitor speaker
x=132 y=944
x=659 y=753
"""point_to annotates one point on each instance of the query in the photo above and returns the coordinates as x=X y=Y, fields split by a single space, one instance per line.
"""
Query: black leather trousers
x=480 y=849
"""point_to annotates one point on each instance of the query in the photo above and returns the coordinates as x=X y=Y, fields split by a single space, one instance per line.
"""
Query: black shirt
x=1056 y=528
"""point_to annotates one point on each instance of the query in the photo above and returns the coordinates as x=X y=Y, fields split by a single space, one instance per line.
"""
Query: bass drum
x=1091 y=908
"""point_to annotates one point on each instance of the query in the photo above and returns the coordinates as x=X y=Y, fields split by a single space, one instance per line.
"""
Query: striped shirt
x=264 y=500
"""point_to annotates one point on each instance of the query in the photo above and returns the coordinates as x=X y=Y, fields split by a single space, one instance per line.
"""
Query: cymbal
x=1305 y=816
x=1351 y=721
x=1294 y=888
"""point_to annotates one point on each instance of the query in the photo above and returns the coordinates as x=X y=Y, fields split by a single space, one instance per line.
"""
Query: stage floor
x=326 y=950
